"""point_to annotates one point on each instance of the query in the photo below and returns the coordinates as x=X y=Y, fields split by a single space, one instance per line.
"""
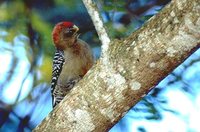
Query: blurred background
x=26 y=53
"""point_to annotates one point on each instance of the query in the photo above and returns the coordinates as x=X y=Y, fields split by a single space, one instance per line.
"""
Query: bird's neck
x=67 y=45
x=73 y=49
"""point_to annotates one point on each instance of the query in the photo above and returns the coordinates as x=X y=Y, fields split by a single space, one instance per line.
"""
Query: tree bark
x=128 y=69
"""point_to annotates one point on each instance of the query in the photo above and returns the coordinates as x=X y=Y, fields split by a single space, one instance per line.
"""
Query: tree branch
x=98 y=23
x=135 y=65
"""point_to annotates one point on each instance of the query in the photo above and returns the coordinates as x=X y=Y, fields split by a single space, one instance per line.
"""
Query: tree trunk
x=128 y=69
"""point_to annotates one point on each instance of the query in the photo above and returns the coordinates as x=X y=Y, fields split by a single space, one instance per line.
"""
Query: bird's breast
x=72 y=68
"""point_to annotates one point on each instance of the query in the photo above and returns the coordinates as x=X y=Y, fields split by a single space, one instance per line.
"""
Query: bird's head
x=64 y=34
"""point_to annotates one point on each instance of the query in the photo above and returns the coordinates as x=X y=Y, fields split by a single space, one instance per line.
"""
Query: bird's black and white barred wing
x=58 y=62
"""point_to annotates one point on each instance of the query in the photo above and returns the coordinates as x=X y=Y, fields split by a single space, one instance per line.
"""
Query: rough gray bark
x=132 y=67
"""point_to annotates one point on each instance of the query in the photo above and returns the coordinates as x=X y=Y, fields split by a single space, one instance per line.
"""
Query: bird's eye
x=68 y=33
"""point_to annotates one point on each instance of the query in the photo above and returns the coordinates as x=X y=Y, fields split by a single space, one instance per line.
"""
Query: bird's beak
x=75 y=28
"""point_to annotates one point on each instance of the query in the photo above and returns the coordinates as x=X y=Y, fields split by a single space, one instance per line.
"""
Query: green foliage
x=114 y=5
x=44 y=30
x=45 y=69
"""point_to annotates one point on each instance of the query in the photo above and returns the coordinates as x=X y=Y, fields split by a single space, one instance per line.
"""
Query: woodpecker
x=72 y=59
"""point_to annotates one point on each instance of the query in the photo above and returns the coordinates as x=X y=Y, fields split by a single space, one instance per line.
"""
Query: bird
x=72 y=59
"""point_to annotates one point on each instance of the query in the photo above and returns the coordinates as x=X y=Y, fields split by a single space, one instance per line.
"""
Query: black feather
x=58 y=63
